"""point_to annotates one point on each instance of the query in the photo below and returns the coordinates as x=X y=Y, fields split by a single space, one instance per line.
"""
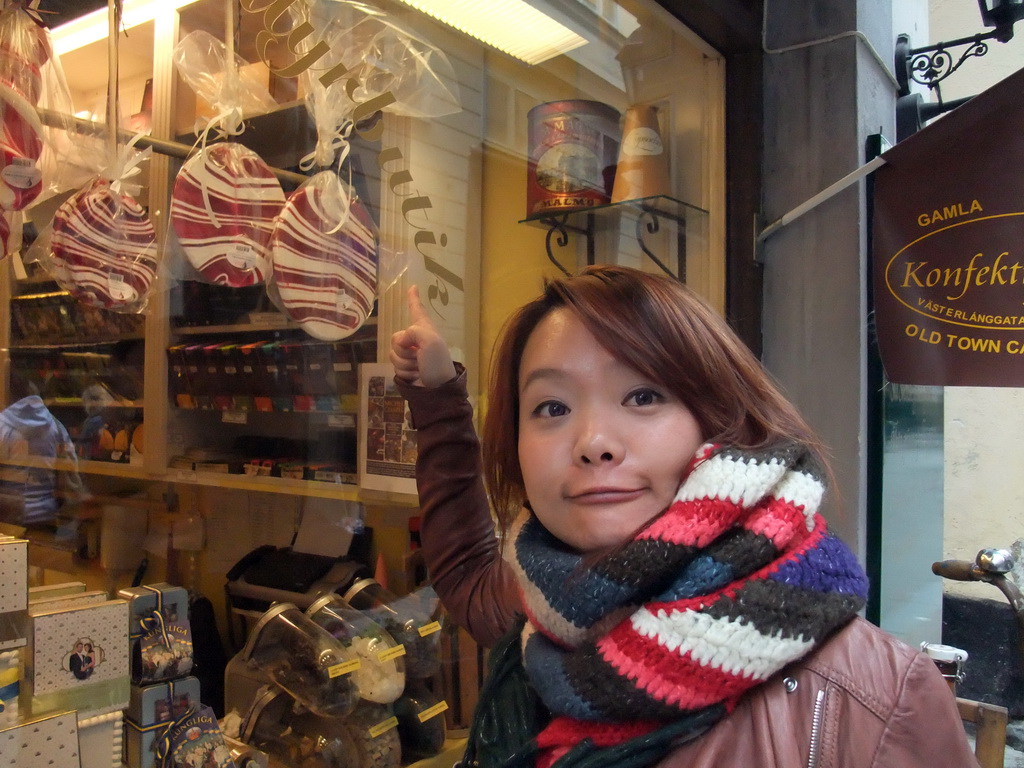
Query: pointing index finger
x=417 y=311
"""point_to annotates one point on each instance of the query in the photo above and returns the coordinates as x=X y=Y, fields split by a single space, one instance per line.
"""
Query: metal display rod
x=162 y=146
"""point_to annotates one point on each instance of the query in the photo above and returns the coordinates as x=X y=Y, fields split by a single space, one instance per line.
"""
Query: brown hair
x=662 y=329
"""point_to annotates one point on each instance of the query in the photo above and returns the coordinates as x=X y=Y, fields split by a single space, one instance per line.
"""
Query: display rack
x=648 y=213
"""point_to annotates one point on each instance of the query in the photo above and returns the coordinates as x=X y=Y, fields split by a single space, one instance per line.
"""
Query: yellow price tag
x=430 y=712
x=429 y=629
x=384 y=727
x=392 y=653
x=344 y=668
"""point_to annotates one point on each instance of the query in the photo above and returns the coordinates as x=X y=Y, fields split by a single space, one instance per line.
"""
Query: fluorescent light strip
x=512 y=26
x=95 y=26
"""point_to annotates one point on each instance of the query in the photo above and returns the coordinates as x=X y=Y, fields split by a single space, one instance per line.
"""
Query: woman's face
x=602 y=449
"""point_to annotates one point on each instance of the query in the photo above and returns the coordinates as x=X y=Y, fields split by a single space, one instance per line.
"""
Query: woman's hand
x=419 y=353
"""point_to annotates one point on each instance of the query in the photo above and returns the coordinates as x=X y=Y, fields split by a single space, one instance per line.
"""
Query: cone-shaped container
x=642 y=170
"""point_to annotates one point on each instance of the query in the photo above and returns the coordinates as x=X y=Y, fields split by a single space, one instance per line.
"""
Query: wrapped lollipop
x=24 y=49
x=225 y=197
x=328 y=267
x=223 y=206
x=101 y=245
x=324 y=251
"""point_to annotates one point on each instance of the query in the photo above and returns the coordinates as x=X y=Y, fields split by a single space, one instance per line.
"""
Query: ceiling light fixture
x=94 y=26
x=511 y=26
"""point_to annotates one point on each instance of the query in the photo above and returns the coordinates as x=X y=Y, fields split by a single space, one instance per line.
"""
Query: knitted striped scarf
x=736 y=579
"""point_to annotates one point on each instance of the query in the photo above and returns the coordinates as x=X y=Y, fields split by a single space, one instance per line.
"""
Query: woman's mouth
x=605 y=495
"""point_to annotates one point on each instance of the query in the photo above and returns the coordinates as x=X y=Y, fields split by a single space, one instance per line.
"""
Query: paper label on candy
x=118 y=289
x=21 y=174
x=642 y=141
x=345 y=302
x=242 y=256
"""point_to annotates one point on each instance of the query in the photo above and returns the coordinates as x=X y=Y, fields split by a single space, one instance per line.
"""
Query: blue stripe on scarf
x=828 y=567
x=700 y=577
x=543 y=664
x=580 y=597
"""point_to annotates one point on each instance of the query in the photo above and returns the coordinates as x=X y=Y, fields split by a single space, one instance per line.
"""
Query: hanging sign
x=948 y=249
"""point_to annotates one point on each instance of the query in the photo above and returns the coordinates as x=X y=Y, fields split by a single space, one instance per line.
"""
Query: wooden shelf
x=108 y=468
x=77 y=402
x=257 y=326
x=306 y=488
x=74 y=344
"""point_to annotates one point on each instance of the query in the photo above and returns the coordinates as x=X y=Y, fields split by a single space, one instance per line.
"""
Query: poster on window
x=948 y=247
x=387 y=441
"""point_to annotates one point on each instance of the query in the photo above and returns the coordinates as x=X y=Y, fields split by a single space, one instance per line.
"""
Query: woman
x=668 y=594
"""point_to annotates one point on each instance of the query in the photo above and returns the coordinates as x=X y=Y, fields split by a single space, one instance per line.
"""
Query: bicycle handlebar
x=957 y=570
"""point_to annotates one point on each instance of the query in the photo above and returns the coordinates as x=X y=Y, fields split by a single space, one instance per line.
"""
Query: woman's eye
x=643 y=397
x=551 y=408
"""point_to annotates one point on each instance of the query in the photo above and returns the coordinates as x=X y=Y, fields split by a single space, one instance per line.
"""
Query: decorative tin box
x=151 y=711
x=161 y=637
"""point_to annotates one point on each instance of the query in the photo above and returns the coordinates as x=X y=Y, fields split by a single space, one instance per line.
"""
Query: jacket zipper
x=819 y=708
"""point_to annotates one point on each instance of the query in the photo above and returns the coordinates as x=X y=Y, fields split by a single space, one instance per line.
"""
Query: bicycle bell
x=995 y=560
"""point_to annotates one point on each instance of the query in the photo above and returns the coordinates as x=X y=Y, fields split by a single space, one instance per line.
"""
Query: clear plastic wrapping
x=24 y=50
x=101 y=247
x=379 y=57
x=221 y=79
x=225 y=197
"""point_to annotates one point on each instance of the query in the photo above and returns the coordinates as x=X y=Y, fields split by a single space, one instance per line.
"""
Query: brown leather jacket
x=861 y=699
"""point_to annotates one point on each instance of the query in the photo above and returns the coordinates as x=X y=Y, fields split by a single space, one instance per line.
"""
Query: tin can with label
x=573 y=147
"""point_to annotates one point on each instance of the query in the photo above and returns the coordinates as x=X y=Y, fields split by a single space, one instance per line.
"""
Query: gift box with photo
x=77 y=658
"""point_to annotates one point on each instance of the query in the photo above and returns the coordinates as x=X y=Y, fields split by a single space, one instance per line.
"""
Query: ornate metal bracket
x=559 y=229
x=649 y=213
x=652 y=226
x=934 y=63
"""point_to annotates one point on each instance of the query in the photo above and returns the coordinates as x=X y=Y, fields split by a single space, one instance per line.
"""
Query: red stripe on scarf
x=693 y=523
x=779 y=521
x=666 y=676
x=563 y=733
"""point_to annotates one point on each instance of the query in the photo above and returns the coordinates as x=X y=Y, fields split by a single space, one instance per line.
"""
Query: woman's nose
x=597 y=446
